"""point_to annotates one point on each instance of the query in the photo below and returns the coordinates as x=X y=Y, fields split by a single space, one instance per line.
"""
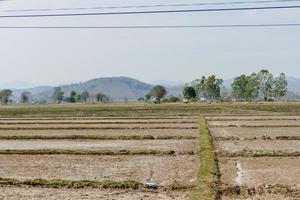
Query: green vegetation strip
x=259 y=153
x=89 y=122
x=44 y=118
x=95 y=152
x=58 y=183
x=253 y=119
x=94 y=137
x=103 y=184
x=257 y=138
x=208 y=175
x=253 y=126
x=99 y=128
x=245 y=192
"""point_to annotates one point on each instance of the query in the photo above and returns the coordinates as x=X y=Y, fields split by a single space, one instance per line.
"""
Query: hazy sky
x=63 y=56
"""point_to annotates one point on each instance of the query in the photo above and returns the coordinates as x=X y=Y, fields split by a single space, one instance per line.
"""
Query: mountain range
x=121 y=88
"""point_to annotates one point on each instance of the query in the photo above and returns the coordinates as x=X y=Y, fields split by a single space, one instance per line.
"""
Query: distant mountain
x=294 y=84
x=118 y=88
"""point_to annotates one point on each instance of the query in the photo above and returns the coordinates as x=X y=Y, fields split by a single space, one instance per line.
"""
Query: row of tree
x=84 y=97
x=57 y=96
x=257 y=86
x=261 y=86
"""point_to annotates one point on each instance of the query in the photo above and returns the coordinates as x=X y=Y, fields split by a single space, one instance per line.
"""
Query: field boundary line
x=100 y=184
x=95 y=152
x=258 y=153
x=259 y=190
x=94 y=137
x=97 y=128
x=208 y=174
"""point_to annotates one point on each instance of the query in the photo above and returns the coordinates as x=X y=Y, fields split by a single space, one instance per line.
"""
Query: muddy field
x=251 y=118
x=258 y=134
x=108 y=132
x=244 y=132
x=260 y=145
x=262 y=197
x=166 y=169
x=20 y=193
x=176 y=145
x=168 y=133
x=259 y=171
x=263 y=123
x=99 y=126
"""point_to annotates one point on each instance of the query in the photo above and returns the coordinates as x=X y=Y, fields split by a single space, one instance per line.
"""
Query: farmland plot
x=258 y=156
x=98 y=157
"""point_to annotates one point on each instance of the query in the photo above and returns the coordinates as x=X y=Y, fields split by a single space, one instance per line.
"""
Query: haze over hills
x=120 y=88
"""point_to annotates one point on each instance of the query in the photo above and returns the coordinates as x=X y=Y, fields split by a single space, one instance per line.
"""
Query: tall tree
x=58 y=94
x=252 y=89
x=5 y=95
x=239 y=87
x=266 y=82
x=85 y=95
x=100 y=97
x=280 y=86
x=199 y=86
x=25 y=96
x=73 y=96
x=158 y=92
x=213 y=87
x=189 y=93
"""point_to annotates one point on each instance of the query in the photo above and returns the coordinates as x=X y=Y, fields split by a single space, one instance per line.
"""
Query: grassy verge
x=58 y=183
x=94 y=137
x=91 y=123
x=246 y=192
x=259 y=153
x=257 y=138
x=102 y=184
x=95 y=152
x=208 y=171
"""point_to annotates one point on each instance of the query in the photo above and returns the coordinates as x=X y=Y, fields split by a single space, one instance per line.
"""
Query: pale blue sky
x=63 y=56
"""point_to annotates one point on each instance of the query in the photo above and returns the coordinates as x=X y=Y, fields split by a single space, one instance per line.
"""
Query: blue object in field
x=151 y=185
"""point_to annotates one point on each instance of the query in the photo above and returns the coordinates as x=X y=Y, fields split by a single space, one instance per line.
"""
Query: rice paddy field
x=110 y=151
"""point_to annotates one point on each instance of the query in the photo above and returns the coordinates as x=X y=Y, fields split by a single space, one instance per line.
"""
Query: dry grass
x=95 y=152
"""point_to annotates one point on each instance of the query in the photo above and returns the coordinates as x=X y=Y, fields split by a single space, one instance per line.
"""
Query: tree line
x=261 y=86
x=74 y=97
x=57 y=97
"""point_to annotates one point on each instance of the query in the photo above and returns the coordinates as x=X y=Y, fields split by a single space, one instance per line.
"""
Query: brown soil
x=154 y=132
x=99 y=126
x=136 y=121
x=264 y=123
x=259 y=171
x=251 y=118
x=263 y=197
x=166 y=169
x=182 y=145
x=16 y=193
x=267 y=145
x=101 y=118
x=255 y=132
